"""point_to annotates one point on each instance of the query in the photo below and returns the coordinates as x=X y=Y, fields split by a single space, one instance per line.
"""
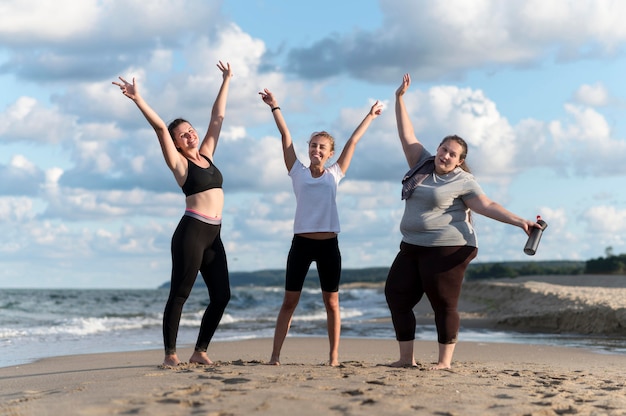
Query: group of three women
x=437 y=245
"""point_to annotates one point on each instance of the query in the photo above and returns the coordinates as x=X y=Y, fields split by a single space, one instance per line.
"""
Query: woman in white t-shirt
x=316 y=223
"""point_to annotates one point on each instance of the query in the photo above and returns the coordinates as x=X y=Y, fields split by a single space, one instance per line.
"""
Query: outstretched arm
x=348 y=150
x=410 y=145
x=289 y=153
x=481 y=204
x=209 y=143
x=170 y=153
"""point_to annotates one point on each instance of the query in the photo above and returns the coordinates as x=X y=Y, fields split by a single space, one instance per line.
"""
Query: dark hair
x=175 y=123
x=463 y=144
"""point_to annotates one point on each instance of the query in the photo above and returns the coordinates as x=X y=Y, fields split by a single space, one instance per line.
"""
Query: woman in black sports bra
x=196 y=243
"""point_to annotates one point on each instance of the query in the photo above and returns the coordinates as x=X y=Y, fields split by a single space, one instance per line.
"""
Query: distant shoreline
x=475 y=271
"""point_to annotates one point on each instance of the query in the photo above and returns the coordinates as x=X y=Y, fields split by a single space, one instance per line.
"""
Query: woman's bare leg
x=283 y=322
x=406 y=355
x=446 y=351
x=171 y=360
x=333 y=321
x=200 y=357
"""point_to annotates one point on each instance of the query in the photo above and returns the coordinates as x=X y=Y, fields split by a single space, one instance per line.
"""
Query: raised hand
x=268 y=98
x=128 y=89
x=406 y=81
x=376 y=109
x=225 y=68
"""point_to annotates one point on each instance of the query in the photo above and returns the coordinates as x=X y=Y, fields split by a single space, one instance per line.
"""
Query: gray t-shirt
x=435 y=214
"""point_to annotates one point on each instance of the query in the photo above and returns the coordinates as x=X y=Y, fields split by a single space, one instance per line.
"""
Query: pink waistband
x=204 y=218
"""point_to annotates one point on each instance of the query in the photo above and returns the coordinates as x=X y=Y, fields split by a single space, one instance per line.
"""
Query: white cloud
x=230 y=44
x=443 y=40
x=15 y=210
x=52 y=177
x=603 y=219
x=94 y=155
x=585 y=143
x=75 y=21
x=21 y=163
x=592 y=95
x=587 y=125
x=30 y=121
x=33 y=19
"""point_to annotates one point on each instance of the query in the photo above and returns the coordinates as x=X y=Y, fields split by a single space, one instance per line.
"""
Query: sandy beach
x=581 y=304
x=486 y=378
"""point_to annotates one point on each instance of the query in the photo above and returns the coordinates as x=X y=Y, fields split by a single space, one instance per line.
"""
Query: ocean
x=39 y=323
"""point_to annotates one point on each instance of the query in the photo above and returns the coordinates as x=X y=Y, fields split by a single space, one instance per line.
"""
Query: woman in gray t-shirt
x=438 y=240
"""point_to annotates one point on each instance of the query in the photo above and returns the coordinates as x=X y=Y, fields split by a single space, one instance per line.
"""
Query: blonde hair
x=326 y=135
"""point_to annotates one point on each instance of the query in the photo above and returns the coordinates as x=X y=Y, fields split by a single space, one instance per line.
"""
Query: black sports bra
x=201 y=179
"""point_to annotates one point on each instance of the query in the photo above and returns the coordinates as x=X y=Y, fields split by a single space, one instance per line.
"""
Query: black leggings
x=196 y=246
x=303 y=252
x=436 y=271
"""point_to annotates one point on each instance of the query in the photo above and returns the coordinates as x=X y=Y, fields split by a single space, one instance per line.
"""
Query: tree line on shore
x=610 y=264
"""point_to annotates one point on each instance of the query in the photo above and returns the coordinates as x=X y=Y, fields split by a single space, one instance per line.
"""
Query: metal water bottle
x=535 y=235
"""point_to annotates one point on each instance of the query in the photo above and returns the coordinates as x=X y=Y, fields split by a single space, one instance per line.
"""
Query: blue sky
x=536 y=88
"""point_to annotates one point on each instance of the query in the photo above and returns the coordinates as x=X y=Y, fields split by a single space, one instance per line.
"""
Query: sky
x=536 y=88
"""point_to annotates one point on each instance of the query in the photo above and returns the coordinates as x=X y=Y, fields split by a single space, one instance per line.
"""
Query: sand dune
x=556 y=304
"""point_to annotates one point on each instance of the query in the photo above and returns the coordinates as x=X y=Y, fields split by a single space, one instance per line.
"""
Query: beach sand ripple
x=493 y=379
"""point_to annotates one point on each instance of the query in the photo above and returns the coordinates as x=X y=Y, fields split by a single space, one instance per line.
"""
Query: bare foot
x=171 y=360
x=403 y=364
x=273 y=361
x=200 y=357
x=441 y=366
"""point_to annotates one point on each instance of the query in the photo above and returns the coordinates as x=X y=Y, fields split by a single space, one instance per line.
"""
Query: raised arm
x=348 y=150
x=410 y=145
x=481 y=204
x=209 y=143
x=289 y=153
x=172 y=157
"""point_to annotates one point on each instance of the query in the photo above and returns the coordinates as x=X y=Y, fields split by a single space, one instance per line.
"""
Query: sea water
x=39 y=323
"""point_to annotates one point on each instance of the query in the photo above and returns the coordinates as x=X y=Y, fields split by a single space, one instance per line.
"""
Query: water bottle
x=535 y=235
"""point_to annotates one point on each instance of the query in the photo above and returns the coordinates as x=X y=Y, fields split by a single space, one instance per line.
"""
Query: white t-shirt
x=316 y=204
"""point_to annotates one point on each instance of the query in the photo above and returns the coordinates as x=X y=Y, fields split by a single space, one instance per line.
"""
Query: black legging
x=436 y=271
x=196 y=246
x=305 y=251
